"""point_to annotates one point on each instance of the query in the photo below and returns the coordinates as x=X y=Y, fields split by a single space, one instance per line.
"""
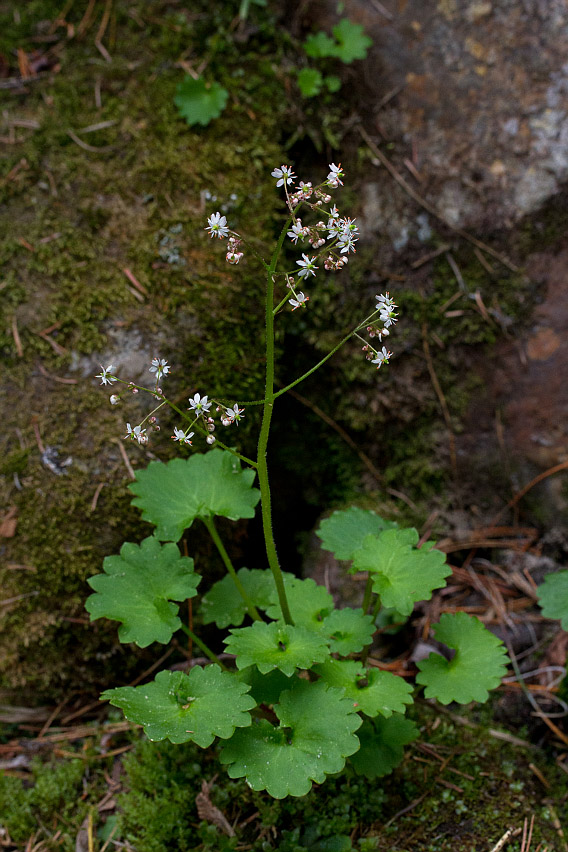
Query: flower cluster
x=385 y=308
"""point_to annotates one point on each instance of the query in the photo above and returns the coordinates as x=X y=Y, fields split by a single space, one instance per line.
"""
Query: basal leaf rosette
x=478 y=665
x=138 y=588
x=276 y=646
x=200 y=706
x=382 y=745
x=309 y=602
x=553 y=597
x=401 y=574
x=344 y=531
x=315 y=736
x=372 y=691
x=348 y=630
x=223 y=603
x=172 y=495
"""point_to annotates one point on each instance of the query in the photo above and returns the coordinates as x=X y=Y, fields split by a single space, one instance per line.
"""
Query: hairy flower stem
x=251 y=609
x=203 y=647
x=268 y=407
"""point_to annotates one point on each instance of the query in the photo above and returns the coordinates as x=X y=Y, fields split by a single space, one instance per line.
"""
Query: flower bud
x=210 y=439
x=114 y=399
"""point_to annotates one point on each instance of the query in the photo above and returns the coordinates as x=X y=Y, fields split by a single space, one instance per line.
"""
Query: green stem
x=207 y=651
x=376 y=608
x=368 y=593
x=252 y=610
x=268 y=407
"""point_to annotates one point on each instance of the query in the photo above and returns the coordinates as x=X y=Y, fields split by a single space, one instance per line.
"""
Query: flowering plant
x=297 y=692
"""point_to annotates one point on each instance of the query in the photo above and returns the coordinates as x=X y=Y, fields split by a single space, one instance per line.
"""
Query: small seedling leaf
x=382 y=745
x=276 y=646
x=372 y=691
x=345 y=530
x=319 y=45
x=332 y=82
x=401 y=574
x=553 y=597
x=172 y=495
x=138 y=587
x=352 y=43
x=199 y=102
x=315 y=735
x=200 y=706
x=309 y=82
x=479 y=663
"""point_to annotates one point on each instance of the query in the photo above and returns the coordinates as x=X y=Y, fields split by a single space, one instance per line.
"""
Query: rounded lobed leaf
x=199 y=102
x=479 y=663
x=352 y=43
x=401 y=574
x=223 y=603
x=309 y=603
x=344 y=531
x=172 y=495
x=553 y=597
x=382 y=745
x=205 y=704
x=315 y=735
x=276 y=646
x=137 y=589
x=372 y=691
x=267 y=688
x=348 y=630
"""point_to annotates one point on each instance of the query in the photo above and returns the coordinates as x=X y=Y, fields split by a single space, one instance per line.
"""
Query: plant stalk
x=203 y=647
x=251 y=609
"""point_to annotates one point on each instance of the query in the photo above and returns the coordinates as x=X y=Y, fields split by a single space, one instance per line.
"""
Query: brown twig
x=125 y=459
x=557 y=468
x=17 y=339
x=103 y=149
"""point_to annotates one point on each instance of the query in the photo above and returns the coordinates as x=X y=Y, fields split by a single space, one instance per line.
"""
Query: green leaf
x=315 y=735
x=371 y=690
x=319 y=45
x=309 y=82
x=223 y=603
x=382 y=745
x=352 y=43
x=479 y=663
x=553 y=597
x=276 y=646
x=309 y=602
x=137 y=589
x=199 y=102
x=172 y=495
x=205 y=704
x=344 y=531
x=401 y=575
x=332 y=82
x=349 y=630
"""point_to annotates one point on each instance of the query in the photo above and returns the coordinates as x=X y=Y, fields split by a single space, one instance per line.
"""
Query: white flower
x=104 y=375
x=217 y=225
x=335 y=175
x=299 y=301
x=114 y=399
x=136 y=434
x=306 y=189
x=385 y=301
x=179 y=435
x=210 y=439
x=284 y=174
x=160 y=367
x=346 y=242
x=298 y=231
x=382 y=357
x=233 y=415
x=233 y=256
x=199 y=404
x=308 y=266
